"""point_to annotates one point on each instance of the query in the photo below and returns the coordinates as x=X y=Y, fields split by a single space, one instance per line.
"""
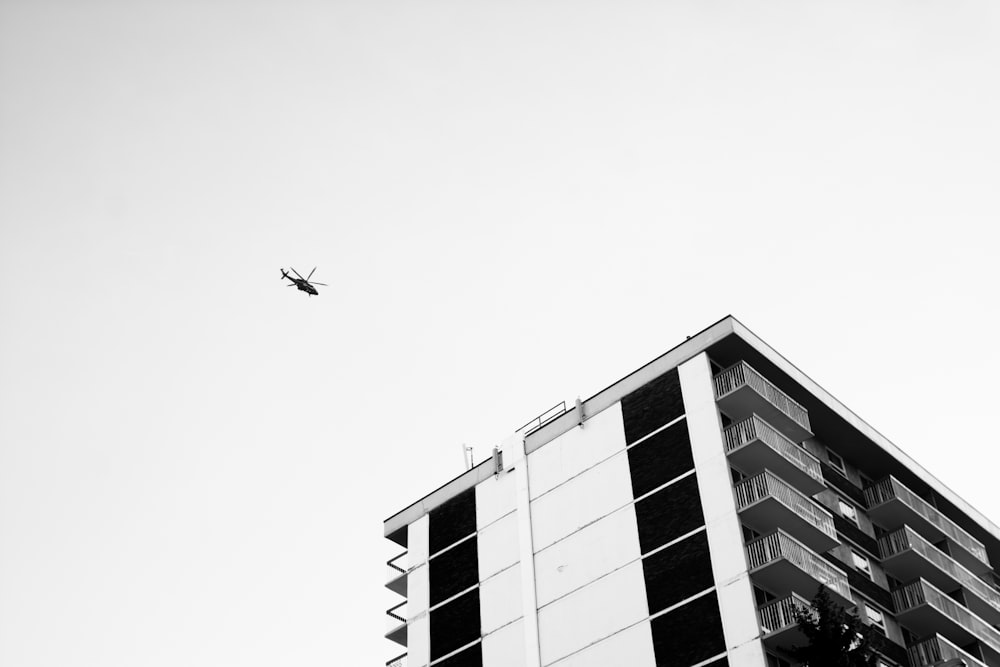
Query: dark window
x=652 y=405
x=470 y=657
x=677 y=572
x=455 y=624
x=454 y=570
x=660 y=458
x=689 y=634
x=668 y=514
x=762 y=597
x=452 y=521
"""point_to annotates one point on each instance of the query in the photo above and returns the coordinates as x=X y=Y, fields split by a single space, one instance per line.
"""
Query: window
x=847 y=511
x=875 y=617
x=835 y=460
x=861 y=563
x=762 y=597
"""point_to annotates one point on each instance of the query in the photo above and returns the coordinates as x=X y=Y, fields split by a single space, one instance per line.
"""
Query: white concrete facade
x=561 y=574
x=722 y=524
x=592 y=613
x=597 y=549
x=581 y=500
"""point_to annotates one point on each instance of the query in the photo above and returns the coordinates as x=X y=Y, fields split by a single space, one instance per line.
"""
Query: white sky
x=514 y=203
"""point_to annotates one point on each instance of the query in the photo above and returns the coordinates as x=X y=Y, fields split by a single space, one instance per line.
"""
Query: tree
x=836 y=638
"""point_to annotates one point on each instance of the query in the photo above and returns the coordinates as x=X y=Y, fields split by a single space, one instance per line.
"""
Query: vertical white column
x=418 y=631
x=513 y=449
x=725 y=536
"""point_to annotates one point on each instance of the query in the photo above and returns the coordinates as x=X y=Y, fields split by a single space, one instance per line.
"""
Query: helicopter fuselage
x=306 y=287
x=302 y=284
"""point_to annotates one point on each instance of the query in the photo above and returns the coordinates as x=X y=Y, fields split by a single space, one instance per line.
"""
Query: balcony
x=398 y=661
x=891 y=504
x=925 y=610
x=766 y=503
x=397 y=623
x=777 y=622
x=753 y=445
x=906 y=555
x=396 y=574
x=937 y=649
x=784 y=565
x=741 y=391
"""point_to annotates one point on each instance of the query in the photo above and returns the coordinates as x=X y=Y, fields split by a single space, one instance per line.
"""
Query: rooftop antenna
x=467 y=455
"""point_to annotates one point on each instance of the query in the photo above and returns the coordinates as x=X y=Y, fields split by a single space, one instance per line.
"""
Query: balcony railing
x=729 y=382
x=396 y=574
x=920 y=592
x=396 y=623
x=778 y=546
x=767 y=485
x=396 y=565
x=947 y=569
x=938 y=649
x=780 y=614
x=927 y=519
x=781 y=452
x=398 y=661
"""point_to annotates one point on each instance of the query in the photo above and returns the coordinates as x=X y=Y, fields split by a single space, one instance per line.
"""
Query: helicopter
x=303 y=283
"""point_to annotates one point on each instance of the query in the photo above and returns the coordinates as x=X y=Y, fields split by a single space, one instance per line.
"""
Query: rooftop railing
x=907 y=538
x=742 y=373
x=921 y=592
x=777 y=545
x=890 y=488
x=557 y=410
x=754 y=427
x=938 y=649
x=766 y=484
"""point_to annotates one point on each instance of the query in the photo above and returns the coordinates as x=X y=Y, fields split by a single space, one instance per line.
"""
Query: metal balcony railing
x=396 y=617
x=398 y=661
x=781 y=613
x=743 y=374
x=767 y=485
x=907 y=538
x=395 y=566
x=890 y=488
x=755 y=428
x=921 y=592
x=938 y=649
x=777 y=545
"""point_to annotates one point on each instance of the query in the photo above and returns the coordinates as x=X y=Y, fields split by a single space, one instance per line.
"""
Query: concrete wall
x=498 y=546
x=581 y=500
x=587 y=554
x=505 y=646
x=592 y=613
x=725 y=538
x=575 y=451
x=632 y=646
x=418 y=593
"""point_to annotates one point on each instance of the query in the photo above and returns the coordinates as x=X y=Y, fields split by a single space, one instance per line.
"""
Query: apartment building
x=678 y=517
